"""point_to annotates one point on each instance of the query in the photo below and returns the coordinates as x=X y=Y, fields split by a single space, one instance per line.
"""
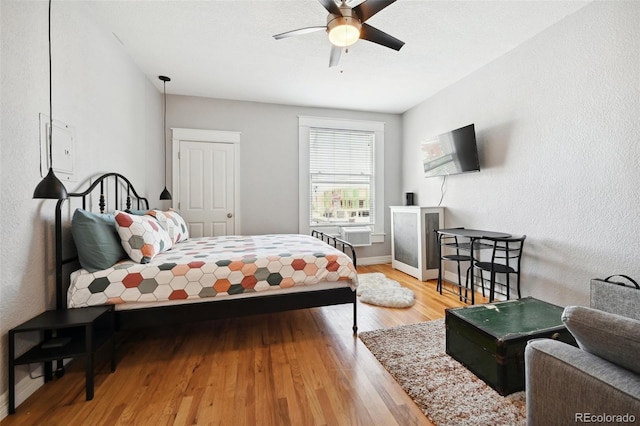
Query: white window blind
x=341 y=177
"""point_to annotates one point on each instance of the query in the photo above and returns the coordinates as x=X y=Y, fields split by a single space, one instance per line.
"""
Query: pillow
x=137 y=212
x=141 y=236
x=609 y=336
x=96 y=240
x=173 y=223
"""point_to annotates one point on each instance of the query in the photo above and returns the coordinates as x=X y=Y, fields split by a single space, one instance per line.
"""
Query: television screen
x=451 y=153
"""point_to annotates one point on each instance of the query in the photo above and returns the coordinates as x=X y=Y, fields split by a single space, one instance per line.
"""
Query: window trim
x=306 y=122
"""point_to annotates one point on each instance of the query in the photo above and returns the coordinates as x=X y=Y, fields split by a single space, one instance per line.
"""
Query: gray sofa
x=598 y=382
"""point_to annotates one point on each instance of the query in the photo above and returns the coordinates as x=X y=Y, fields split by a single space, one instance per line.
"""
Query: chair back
x=450 y=241
x=507 y=251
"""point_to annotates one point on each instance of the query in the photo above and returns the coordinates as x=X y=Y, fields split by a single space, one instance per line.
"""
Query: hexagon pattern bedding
x=212 y=267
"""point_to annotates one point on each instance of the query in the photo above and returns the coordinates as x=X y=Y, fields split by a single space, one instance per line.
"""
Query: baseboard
x=376 y=260
x=24 y=389
x=453 y=277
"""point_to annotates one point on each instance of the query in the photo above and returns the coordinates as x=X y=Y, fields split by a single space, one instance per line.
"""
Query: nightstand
x=65 y=334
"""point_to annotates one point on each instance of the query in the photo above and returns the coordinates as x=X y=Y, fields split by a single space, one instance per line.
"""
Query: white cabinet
x=414 y=247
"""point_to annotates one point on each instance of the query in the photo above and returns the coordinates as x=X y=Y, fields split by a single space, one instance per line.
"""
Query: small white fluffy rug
x=376 y=289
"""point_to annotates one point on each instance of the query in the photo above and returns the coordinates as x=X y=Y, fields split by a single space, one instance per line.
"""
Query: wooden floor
x=293 y=368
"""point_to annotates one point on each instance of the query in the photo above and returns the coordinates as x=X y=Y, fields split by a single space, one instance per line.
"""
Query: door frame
x=209 y=136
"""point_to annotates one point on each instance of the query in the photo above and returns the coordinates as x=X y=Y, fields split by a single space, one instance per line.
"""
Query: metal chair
x=506 y=257
x=446 y=241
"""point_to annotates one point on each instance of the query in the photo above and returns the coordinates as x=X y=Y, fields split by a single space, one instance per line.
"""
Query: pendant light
x=50 y=187
x=165 y=195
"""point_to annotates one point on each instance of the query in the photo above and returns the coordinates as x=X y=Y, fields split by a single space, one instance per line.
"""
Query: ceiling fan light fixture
x=344 y=31
x=347 y=24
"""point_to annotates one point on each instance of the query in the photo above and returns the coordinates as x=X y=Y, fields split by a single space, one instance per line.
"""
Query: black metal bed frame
x=199 y=311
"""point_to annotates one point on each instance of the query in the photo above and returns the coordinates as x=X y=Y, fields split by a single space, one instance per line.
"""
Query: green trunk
x=490 y=339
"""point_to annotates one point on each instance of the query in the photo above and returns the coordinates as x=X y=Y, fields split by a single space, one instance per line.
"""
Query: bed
x=176 y=280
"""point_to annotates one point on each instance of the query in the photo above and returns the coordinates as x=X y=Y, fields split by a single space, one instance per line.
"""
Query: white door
x=206 y=195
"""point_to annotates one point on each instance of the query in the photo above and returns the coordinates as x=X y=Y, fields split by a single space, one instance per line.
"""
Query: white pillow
x=142 y=237
x=173 y=223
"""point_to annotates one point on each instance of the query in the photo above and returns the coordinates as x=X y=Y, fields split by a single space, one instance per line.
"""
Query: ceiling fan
x=346 y=25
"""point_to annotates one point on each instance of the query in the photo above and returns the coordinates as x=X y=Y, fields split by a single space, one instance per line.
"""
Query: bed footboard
x=344 y=246
x=337 y=243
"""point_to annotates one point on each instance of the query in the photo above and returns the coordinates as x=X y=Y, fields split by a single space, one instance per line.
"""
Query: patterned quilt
x=212 y=267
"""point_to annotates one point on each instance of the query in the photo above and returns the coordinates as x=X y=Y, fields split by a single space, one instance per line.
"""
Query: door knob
x=229 y=215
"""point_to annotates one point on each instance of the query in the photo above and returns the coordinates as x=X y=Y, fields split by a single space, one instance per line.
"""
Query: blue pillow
x=96 y=239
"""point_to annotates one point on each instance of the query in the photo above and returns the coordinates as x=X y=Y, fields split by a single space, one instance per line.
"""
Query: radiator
x=357 y=236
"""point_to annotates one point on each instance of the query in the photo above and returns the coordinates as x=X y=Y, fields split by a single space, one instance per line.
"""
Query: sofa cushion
x=609 y=336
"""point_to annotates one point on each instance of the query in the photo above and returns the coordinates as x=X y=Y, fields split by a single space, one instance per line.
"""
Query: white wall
x=558 y=127
x=557 y=123
x=116 y=112
x=269 y=157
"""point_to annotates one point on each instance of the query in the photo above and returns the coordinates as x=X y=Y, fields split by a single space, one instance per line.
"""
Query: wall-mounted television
x=451 y=153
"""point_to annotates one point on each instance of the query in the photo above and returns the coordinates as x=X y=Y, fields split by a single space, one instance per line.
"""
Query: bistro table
x=472 y=235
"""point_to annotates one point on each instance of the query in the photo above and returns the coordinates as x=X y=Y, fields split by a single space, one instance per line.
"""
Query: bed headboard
x=114 y=191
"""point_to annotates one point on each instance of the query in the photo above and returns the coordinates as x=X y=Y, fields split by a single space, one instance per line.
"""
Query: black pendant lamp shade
x=165 y=195
x=50 y=187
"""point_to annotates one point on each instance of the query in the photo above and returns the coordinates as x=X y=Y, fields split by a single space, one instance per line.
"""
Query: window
x=341 y=174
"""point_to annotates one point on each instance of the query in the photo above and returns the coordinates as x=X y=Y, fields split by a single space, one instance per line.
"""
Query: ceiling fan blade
x=298 y=32
x=367 y=32
x=331 y=6
x=368 y=8
x=336 y=52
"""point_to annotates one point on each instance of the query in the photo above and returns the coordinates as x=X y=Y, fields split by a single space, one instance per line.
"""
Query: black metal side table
x=65 y=334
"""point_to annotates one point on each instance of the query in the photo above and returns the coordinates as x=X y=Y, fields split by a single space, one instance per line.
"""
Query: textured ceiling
x=225 y=49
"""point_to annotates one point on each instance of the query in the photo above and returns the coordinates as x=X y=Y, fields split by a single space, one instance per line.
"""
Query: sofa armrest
x=565 y=385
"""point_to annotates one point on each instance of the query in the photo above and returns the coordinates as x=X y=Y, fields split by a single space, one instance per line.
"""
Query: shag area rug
x=444 y=389
x=376 y=289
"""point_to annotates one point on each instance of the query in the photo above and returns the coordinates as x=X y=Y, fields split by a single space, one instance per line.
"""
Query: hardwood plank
x=290 y=368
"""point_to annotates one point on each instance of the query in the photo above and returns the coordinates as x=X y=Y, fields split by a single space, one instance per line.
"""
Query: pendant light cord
x=164 y=131
x=50 y=187
x=165 y=195
x=50 y=97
